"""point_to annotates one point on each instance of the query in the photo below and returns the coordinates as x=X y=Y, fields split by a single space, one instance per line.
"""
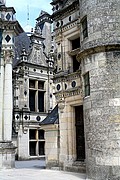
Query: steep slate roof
x=21 y=41
x=52 y=118
x=35 y=54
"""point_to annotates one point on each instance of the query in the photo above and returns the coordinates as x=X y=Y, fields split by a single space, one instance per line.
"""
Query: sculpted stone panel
x=8 y=56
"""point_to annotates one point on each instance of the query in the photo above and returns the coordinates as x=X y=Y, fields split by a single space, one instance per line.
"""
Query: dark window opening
x=36 y=95
x=69 y=18
x=40 y=85
x=57 y=24
x=59 y=56
x=32 y=100
x=61 y=23
x=32 y=83
x=41 y=148
x=76 y=64
x=73 y=84
x=32 y=134
x=87 y=84
x=75 y=43
x=84 y=28
x=57 y=7
x=80 y=140
x=41 y=101
x=36 y=142
x=65 y=86
x=41 y=134
x=32 y=147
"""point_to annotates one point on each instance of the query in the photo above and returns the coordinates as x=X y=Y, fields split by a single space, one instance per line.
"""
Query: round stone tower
x=100 y=67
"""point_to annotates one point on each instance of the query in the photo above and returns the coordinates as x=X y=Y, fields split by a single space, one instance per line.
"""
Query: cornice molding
x=67 y=77
x=11 y=25
x=97 y=49
x=68 y=93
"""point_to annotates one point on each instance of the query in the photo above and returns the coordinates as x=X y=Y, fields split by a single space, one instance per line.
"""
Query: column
x=1 y=95
x=8 y=96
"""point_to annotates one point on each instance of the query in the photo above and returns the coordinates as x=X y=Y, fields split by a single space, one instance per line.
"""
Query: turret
x=99 y=23
x=100 y=64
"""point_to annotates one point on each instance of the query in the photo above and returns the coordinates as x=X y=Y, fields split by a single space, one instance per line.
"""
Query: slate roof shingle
x=52 y=118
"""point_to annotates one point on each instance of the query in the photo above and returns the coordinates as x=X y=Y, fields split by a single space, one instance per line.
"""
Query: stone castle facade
x=67 y=100
x=100 y=59
x=88 y=92
x=32 y=88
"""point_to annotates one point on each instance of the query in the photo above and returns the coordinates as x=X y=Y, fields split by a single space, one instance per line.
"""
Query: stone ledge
x=97 y=49
x=77 y=166
x=7 y=147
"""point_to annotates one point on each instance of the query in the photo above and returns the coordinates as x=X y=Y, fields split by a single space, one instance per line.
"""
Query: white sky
x=35 y=7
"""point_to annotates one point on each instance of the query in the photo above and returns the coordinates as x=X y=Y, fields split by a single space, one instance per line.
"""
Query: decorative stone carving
x=8 y=56
x=61 y=106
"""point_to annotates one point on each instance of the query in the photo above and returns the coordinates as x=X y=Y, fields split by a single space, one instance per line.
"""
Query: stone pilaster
x=1 y=95
x=8 y=100
x=9 y=29
x=7 y=150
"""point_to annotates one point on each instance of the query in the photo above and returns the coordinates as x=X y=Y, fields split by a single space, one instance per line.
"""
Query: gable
x=37 y=56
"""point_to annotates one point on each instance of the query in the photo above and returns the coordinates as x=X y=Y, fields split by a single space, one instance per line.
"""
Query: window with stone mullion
x=36 y=96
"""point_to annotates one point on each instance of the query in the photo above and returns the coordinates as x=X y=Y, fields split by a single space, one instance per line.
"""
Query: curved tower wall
x=100 y=56
x=103 y=18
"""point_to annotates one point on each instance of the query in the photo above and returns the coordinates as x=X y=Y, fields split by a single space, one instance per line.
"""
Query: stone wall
x=100 y=56
x=102 y=115
x=103 y=22
x=51 y=145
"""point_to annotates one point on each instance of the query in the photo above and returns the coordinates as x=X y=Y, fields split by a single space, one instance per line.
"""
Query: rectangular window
x=75 y=43
x=32 y=134
x=41 y=101
x=80 y=139
x=73 y=64
x=32 y=100
x=76 y=64
x=32 y=147
x=40 y=85
x=41 y=134
x=36 y=142
x=84 y=28
x=32 y=83
x=36 y=95
x=87 y=84
x=41 y=148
